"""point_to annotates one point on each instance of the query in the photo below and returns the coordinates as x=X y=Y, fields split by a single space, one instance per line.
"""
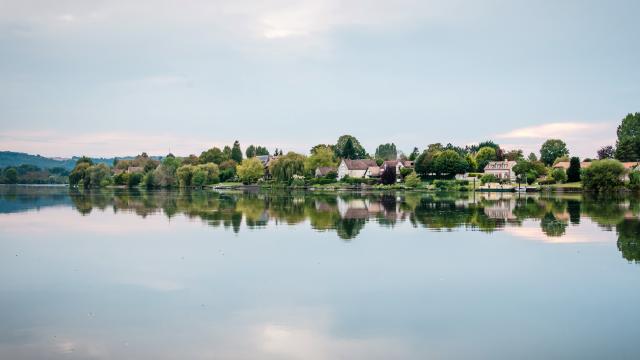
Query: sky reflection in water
x=167 y=275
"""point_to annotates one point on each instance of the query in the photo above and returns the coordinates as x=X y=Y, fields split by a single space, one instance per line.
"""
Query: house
x=266 y=161
x=362 y=168
x=502 y=170
x=135 y=169
x=325 y=170
x=398 y=164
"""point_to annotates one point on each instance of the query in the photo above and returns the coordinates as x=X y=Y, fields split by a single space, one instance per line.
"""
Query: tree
x=184 y=174
x=424 y=163
x=349 y=152
x=322 y=157
x=358 y=151
x=211 y=171
x=412 y=180
x=386 y=152
x=603 y=175
x=78 y=173
x=529 y=171
x=213 y=155
x=514 y=155
x=532 y=157
x=227 y=152
x=606 y=152
x=484 y=156
x=250 y=170
x=261 y=150
x=573 y=172
x=286 y=166
x=494 y=146
x=84 y=159
x=450 y=162
x=11 y=175
x=134 y=179
x=250 y=151
x=558 y=175
x=322 y=146
x=228 y=170
x=414 y=154
x=553 y=149
x=388 y=175
x=628 y=143
x=236 y=153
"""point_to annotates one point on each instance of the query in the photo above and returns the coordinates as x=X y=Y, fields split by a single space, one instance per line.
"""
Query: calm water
x=205 y=275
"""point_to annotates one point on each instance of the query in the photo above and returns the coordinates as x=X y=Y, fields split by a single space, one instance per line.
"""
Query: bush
x=573 y=173
x=404 y=172
x=559 y=176
x=389 y=176
x=412 y=180
x=634 y=180
x=603 y=175
x=135 y=179
x=121 y=179
x=462 y=182
x=488 y=178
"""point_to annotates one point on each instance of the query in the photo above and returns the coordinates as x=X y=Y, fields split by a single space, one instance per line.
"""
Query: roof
x=565 y=165
x=324 y=170
x=135 y=169
x=500 y=165
x=263 y=158
x=374 y=171
x=360 y=164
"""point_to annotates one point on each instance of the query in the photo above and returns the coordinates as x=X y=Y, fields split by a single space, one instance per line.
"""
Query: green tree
x=573 y=172
x=628 y=143
x=236 y=153
x=250 y=151
x=414 y=154
x=606 y=152
x=212 y=173
x=199 y=177
x=389 y=176
x=184 y=174
x=558 y=175
x=322 y=146
x=11 y=175
x=424 y=163
x=250 y=170
x=213 y=155
x=322 y=157
x=484 y=156
x=285 y=166
x=514 y=155
x=226 y=152
x=532 y=157
x=603 y=176
x=134 y=179
x=450 y=162
x=355 y=150
x=386 y=152
x=551 y=150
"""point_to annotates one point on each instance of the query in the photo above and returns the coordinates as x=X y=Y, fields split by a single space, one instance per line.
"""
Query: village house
x=502 y=170
x=564 y=165
x=362 y=168
x=325 y=170
x=398 y=164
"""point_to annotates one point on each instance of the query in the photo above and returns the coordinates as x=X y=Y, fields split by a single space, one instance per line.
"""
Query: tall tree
x=348 y=151
x=250 y=151
x=514 y=155
x=321 y=157
x=236 y=153
x=386 y=152
x=414 y=154
x=389 y=176
x=213 y=155
x=606 y=152
x=358 y=150
x=532 y=157
x=573 y=172
x=484 y=155
x=553 y=149
x=628 y=143
x=449 y=162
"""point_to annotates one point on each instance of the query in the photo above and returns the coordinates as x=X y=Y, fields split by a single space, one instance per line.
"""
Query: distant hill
x=11 y=158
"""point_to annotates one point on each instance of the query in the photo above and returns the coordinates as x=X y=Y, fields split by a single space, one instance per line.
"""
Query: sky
x=119 y=77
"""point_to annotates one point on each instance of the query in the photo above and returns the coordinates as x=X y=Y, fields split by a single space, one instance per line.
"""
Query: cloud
x=582 y=138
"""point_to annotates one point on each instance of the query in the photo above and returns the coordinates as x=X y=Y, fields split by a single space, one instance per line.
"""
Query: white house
x=356 y=168
x=502 y=170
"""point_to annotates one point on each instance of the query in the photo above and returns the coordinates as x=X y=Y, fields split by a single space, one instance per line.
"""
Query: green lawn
x=575 y=185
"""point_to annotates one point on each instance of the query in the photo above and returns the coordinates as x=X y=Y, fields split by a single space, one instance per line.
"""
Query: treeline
x=31 y=174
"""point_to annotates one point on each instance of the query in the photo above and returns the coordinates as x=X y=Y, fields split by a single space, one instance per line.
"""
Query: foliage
x=634 y=180
x=573 y=172
x=412 y=180
x=603 y=175
x=389 y=175
x=314 y=149
x=184 y=174
x=11 y=175
x=532 y=157
x=405 y=171
x=386 y=152
x=484 y=156
x=78 y=173
x=134 y=179
x=414 y=154
x=213 y=155
x=558 y=175
x=628 y=142
x=96 y=176
x=488 y=178
x=322 y=157
x=514 y=155
x=529 y=171
x=551 y=150
x=352 y=151
x=236 y=153
x=284 y=167
x=250 y=170
x=252 y=151
x=606 y=152
x=450 y=162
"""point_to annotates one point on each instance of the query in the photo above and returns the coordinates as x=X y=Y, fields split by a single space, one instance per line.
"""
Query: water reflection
x=347 y=214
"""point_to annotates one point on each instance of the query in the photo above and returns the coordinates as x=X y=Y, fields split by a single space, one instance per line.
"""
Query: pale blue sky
x=120 y=77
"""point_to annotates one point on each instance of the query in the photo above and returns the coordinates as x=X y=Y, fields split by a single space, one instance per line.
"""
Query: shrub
x=573 y=173
x=412 y=180
x=389 y=176
x=488 y=178
x=634 y=180
x=121 y=179
x=250 y=170
x=135 y=179
x=199 y=178
x=462 y=182
x=558 y=175
x=404 y=172
x=603 y=175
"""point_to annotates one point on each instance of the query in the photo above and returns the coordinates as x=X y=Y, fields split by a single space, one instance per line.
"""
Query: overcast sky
x=120 y=77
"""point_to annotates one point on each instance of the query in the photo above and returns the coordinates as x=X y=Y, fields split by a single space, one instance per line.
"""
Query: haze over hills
x=12 y=158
